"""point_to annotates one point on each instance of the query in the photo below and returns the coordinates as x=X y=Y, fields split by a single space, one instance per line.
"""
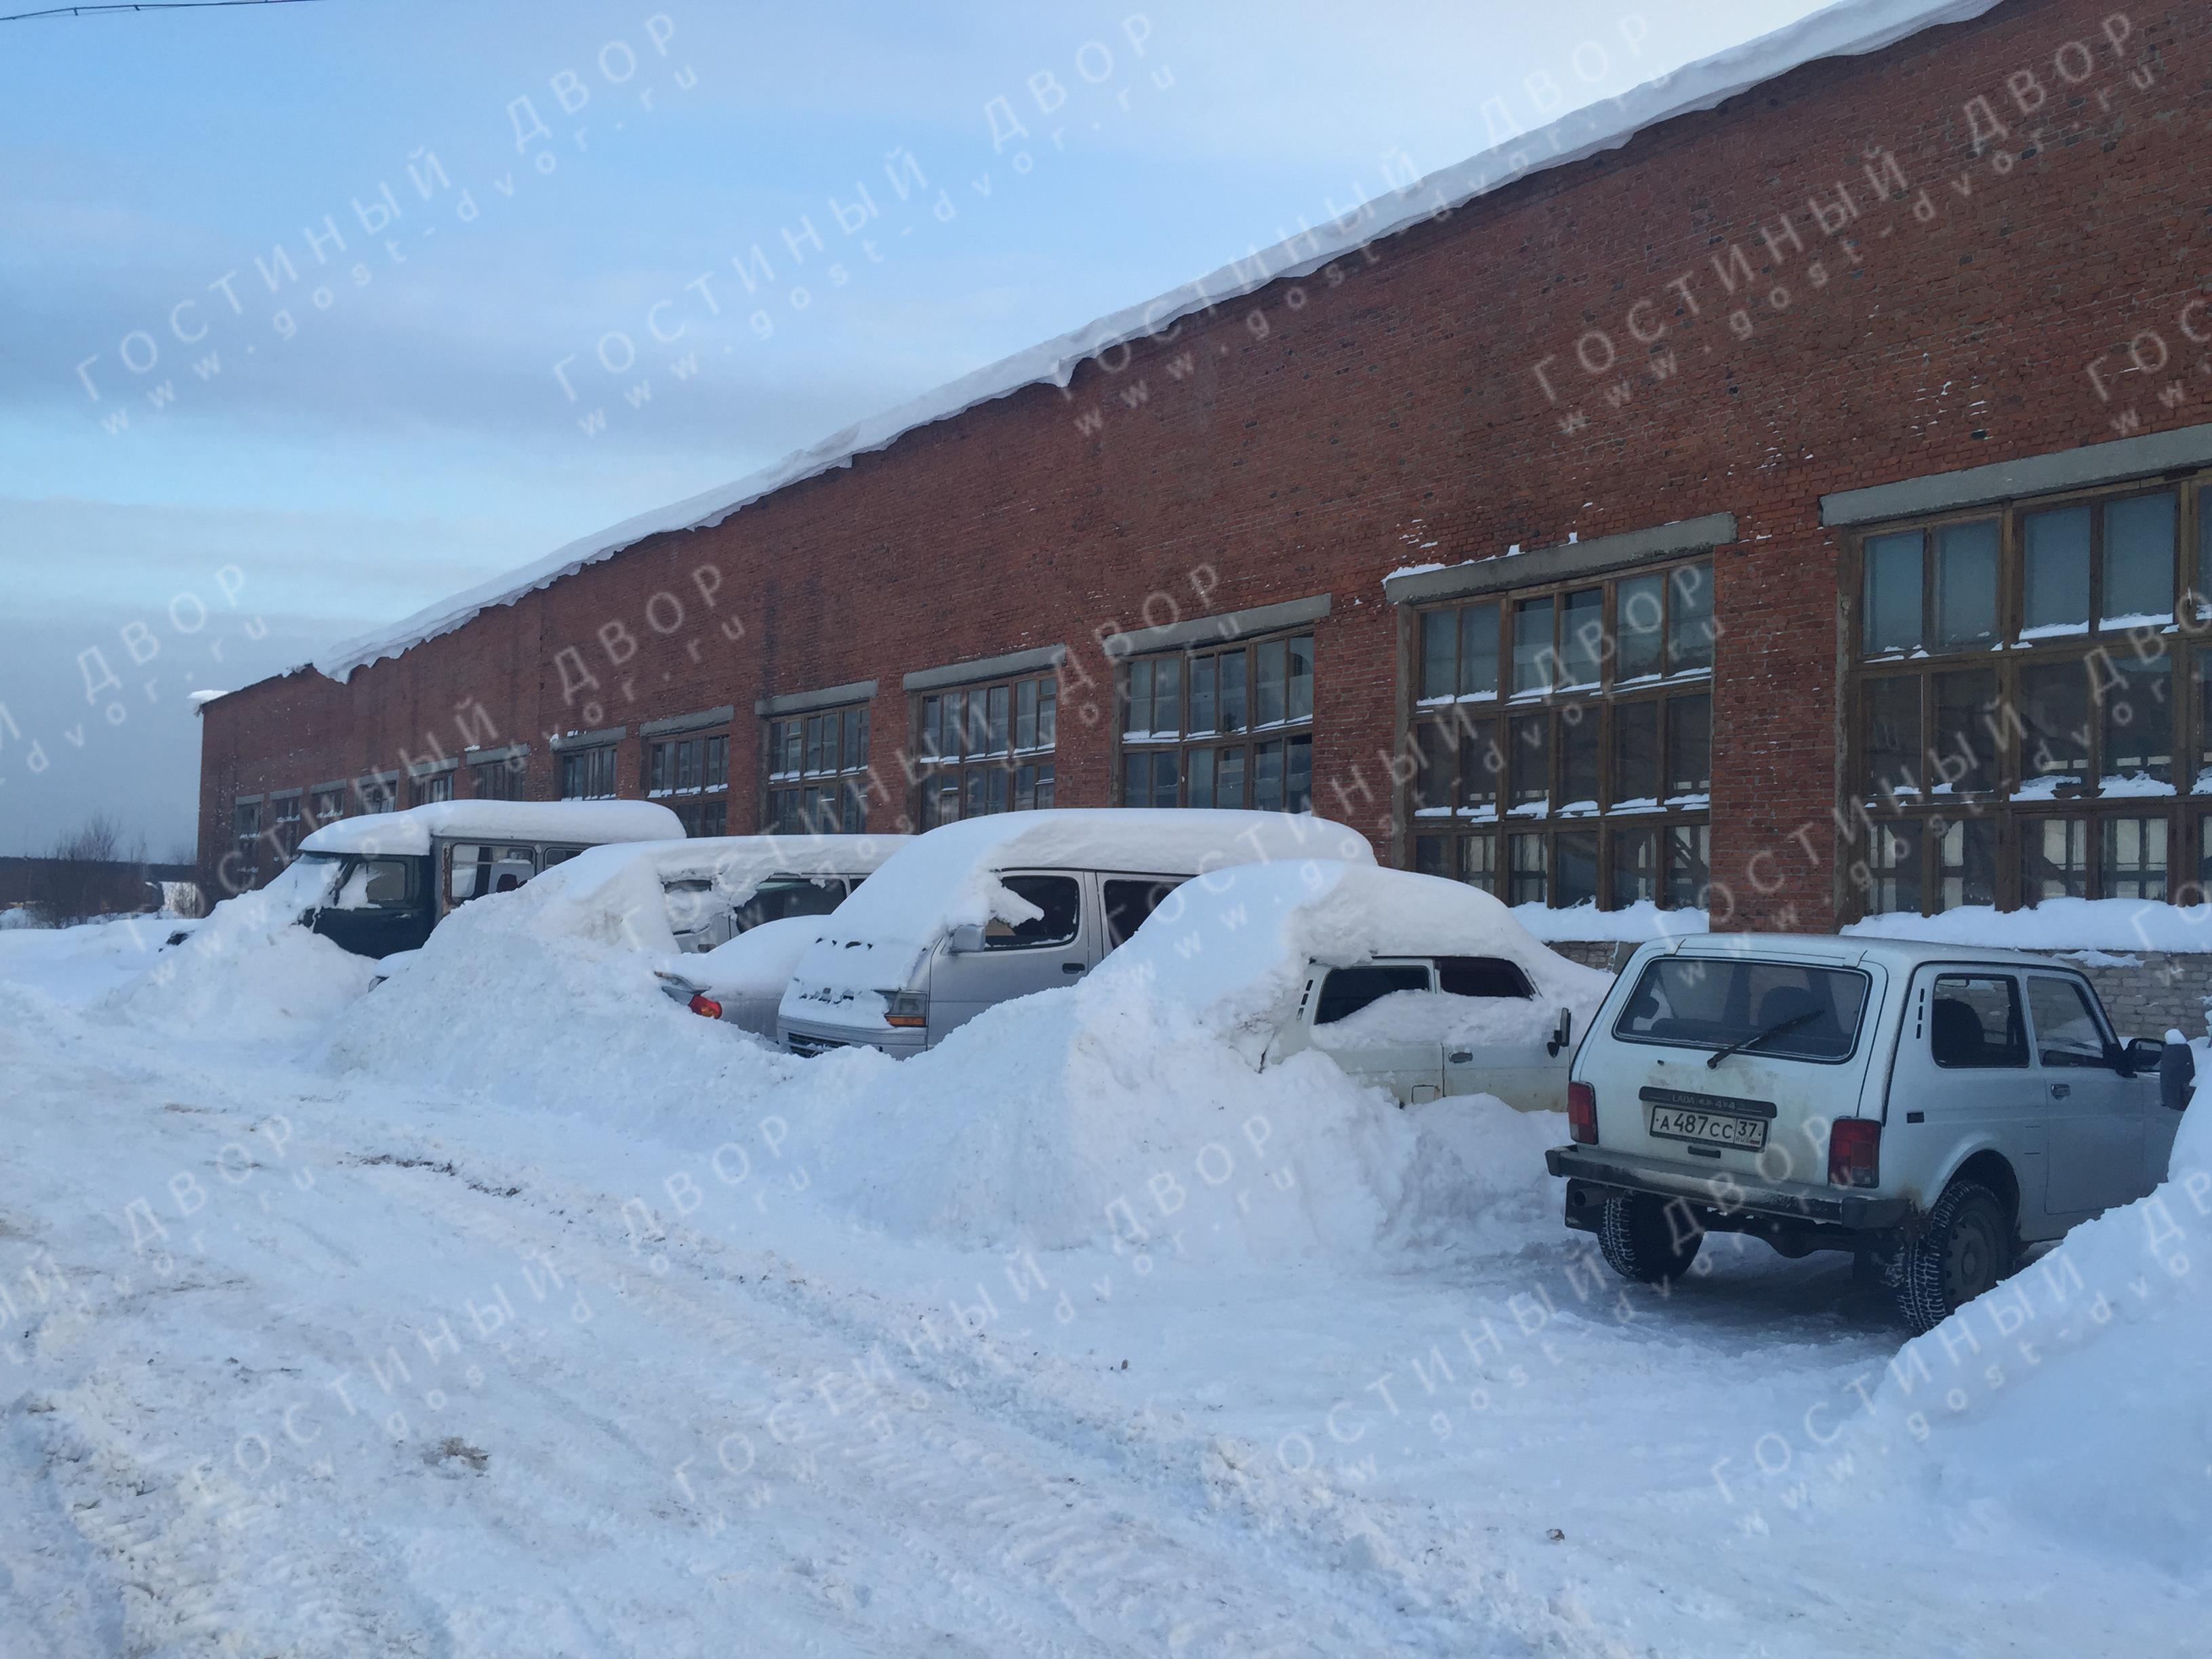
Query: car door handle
x=1070 y=967
x=1460 y=1056
x=2060 y=1091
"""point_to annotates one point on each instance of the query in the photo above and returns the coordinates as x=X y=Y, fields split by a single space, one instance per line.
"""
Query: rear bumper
x=1594 y=1174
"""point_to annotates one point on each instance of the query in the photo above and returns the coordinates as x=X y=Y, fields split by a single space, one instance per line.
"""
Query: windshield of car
x=374 y=884
x=790 y=895
x=1703 y=1002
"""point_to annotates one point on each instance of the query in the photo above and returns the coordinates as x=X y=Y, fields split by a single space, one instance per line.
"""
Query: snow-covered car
x=391 y=877
x=720 y=886
x=742 y=980
x=1930 y=1109
x=978 y=912
x=1469 y=1004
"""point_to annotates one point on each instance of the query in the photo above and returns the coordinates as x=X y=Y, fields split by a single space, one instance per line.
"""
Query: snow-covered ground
x=509 y=1309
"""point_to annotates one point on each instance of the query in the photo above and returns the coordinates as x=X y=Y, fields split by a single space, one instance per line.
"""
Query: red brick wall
x=1309 y=438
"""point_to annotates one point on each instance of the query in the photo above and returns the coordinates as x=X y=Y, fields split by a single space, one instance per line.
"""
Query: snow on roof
x=1849 y=28
x=592 y=821
x=946 y=876
x=2058 y=924
x=625 y=880
x=950 y=876
x=1231 y=952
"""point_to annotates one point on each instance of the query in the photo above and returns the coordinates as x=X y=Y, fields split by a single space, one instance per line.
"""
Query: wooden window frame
x=1248 y=741
x=815 y=799
x=245 y=839
x=702 y=757
x=2186 y=643
x=1437 y=840
x=590 y=760
x=1018 y=777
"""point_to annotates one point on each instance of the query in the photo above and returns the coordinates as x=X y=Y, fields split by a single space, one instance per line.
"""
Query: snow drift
x=545 y=997
x=1133 y=1106
x=250 y=971
x=2075 y=1394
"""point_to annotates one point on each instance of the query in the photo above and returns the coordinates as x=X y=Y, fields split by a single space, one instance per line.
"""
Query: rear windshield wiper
x=1757 y=1038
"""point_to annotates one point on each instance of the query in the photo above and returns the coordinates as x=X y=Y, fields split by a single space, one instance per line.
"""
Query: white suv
x=1930 y=1109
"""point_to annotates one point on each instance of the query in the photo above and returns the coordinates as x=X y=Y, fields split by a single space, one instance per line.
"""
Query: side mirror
x=2176 y=1073
x=2140 y=1054
x=965 y=938
x=1562 y=1033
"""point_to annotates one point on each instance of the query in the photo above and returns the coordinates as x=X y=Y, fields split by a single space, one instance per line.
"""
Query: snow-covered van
x=1930 y=1109
x=394 y=875
x=719 y=886
x=975 y=913
x=742 y=908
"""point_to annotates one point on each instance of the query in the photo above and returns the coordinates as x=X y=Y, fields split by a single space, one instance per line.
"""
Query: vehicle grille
x=809 y=1047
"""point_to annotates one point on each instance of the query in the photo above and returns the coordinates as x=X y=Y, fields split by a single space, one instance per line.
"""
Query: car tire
x=1965 y=1250
x=1639 y=1241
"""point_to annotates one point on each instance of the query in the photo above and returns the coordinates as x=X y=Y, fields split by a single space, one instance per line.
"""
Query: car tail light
x=907 y=1009
x=1582 y=1113
x=704 y=1004
x=1855 y=1152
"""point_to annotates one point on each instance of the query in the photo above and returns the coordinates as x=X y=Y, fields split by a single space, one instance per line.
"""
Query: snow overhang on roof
x=1850 y=28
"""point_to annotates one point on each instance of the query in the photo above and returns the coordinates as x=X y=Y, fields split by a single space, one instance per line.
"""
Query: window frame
x=816 y=799
x=2016 y=803
x=689 y=772
x=1017 y=777
x=1479 y=844
x=591 y=759
x=1249 y=741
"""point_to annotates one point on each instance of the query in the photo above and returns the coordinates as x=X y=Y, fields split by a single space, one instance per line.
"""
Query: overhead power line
x=146 y=5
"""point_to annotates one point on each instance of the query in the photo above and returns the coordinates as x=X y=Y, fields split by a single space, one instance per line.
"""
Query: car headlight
x=910 y=1009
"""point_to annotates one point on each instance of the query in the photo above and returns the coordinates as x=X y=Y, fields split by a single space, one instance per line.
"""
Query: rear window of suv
x=1784 y=1009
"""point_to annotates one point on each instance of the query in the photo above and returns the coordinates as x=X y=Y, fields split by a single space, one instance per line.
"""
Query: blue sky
x=345 y=441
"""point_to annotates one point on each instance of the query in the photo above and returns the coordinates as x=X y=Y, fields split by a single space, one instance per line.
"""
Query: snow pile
x=1133 y=1105
x=545 y=997
x=250 y=971
x=756 y=964
x=2081 y=1404
x=1427 y=1017
x=2056 y=924
x=1631 y=923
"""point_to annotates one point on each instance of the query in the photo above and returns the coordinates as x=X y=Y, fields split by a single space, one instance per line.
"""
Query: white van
x=1930 y=1109
x=975 y=913
x=720 y=886
x=394 y=876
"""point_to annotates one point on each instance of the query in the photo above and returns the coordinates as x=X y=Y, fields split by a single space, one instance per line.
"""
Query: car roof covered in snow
x=945 y=878
x=1831 y=949
x=726 y=861
x=949 y=877
x=587 y=823
x=1233 y=950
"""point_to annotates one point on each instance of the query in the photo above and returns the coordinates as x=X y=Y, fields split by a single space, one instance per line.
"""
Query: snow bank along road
x=306 y=1354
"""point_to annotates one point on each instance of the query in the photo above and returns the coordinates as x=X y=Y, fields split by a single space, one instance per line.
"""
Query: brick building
x=1793 y=508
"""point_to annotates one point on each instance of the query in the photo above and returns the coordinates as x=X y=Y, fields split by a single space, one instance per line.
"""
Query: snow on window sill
x=2140 y=784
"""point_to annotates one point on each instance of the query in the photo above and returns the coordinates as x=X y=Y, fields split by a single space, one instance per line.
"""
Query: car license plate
x=1709 y=1128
